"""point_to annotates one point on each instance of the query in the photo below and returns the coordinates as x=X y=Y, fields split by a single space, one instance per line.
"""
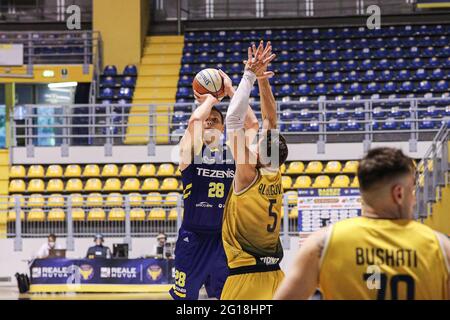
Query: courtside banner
x=318 y=207
x=101 y=271
x=431 y=4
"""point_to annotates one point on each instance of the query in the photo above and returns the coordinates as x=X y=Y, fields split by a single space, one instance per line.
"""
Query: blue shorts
x=199 y=260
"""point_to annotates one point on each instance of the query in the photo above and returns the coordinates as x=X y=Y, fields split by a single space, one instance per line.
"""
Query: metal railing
x=318 y=122
x=127 y=216
x=50 y=47
x=13 y=11
x=235 y=9
x=432 y=173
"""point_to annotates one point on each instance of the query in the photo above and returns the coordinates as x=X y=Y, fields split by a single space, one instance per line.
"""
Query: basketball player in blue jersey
x=207 y=171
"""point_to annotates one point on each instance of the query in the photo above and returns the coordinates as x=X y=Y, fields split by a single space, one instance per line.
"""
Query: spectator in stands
x=162 y=248
x=99 y=250
x=44 y=250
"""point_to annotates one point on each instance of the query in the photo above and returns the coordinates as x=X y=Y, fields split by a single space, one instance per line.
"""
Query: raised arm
x=245 y=159
x=192 y=142
x=303 y=278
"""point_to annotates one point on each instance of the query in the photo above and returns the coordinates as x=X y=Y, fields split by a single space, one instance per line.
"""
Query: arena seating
x=339 y=64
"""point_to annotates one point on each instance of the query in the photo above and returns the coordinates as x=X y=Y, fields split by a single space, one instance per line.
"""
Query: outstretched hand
x=258 y=60
x=227 y=84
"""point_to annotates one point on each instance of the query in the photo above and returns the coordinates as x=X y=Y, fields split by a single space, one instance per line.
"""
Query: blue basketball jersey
x=206 y=182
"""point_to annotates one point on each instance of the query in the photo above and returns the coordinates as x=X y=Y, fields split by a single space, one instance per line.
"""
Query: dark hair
x=279 y=141
x=52 y=236
x=383 y=164
x=218 y=111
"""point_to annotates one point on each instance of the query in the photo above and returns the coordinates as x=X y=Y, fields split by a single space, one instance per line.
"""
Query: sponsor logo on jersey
x=269 y=260
x=203 y=204
x=221 y=174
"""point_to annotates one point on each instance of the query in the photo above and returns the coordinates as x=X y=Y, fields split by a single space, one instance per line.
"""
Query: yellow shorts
x=252 y=286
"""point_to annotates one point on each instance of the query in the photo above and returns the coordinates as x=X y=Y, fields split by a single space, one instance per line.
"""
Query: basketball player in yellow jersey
x=252 y=214
x=384 y=254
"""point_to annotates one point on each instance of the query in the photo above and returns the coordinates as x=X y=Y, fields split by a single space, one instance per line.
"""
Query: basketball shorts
x=252 y=286
x=199 y=260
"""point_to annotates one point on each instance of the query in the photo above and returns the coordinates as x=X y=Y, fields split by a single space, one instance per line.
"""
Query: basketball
x=209 y=81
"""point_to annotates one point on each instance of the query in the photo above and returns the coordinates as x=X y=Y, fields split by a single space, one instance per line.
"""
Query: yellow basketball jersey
x=251 y=223
x=383 y=259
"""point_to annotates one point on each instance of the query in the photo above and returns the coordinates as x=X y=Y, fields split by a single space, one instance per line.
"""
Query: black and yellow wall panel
x=439 y=219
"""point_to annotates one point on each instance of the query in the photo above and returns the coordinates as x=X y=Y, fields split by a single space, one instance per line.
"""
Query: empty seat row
x=95 y=200
x=93 y=170
x=321 y=181
x=92 y=184
x=111 y=70
x=297 y=167
x=95 y=214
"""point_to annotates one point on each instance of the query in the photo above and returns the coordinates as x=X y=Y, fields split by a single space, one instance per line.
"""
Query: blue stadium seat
x=185 y=81
x=303 y=89
x=319 y=76
x=367 y=64
x=384 y=64
x=302 y=77
x=313 y=126
x=351 y=65
x=106 y=93
x=338 y=88
x=110 y=70
x=107 y=82
x=285 y=67
x=286 y=90
x=332 y=55
x=359 y=113
x=378 y=113
x=296 y=127
x=441 y=86
x=405 y=125
x=434 y=62
x=285 y=78
x=334 y=66
x=386 y=75
x=400 y=63
x=287 y=115
x=427 y=123
x=403 y=75
x=420 y=74
x=130 y=70
x=342 y=114
x=424 y=86
x=407 y=86
x=125 y=93
x=353 y=76
x=186 y=69
x=369 y=75
x=128 y=82
x=355 y=88
x=305 y=114
x=373 y=87
x=333 y=125
x=417 y=63
x=352 y=125
x=183 y=92
x=389 y=124
x=438 y=74
x=320 y=89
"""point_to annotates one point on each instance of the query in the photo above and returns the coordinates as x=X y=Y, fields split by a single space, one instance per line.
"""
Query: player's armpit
x=302 y=278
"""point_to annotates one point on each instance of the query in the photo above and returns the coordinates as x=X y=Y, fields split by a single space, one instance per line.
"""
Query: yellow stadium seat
x=350 y=166
x=114 y=200
x=91 y=170
x=36 y=214
x=54 y=171
x=112 y=184
x=12 y=215
x=55 y=200
x=128 y=170
x=166 y=169
x=94 y=200
x=96 y=214
x=283 y=168
x=93 y=184
x=12 y=200
x=72 y=171
x=78 y=214
x=333 y=167
x=341 y=181
x=302 y=182
x=292 y=197
x=131 y=184
x=178 y=172
x=169 y=184
x=74 y=185
x=116 y=214
x=173 y=214
x=17 y=172
x=150 y=184
x=153 y=199
x=137 y=214
x=36 y=200
x=56 y=214
x=36 y=171
x=322 y=181
x=147 y=170
x=36 y=185
x=16 y=185
x=157 y=214
x=314 y=167
x=293 y=213
x=135 y=199
x=355 y=183
x=77 y=200
x=286 y=181
x=171 y=199
x=110 y=170
x=295 y=167
x=55 y=185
